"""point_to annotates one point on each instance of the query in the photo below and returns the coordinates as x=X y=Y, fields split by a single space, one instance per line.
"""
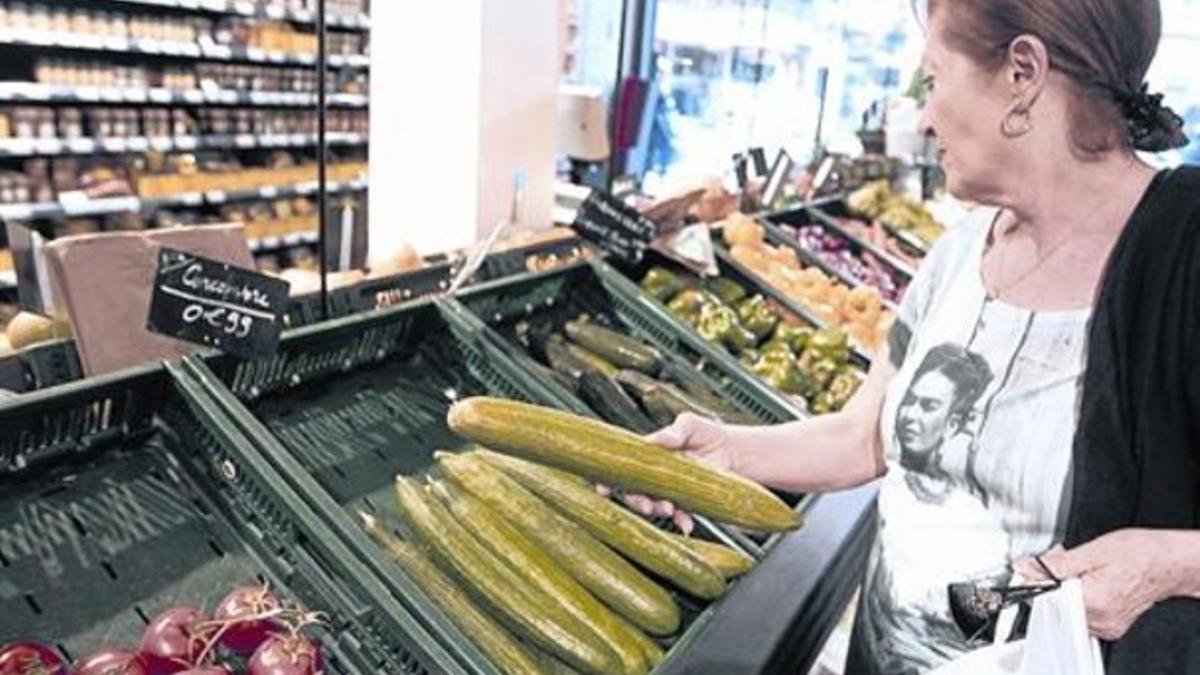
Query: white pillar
x=462 y=100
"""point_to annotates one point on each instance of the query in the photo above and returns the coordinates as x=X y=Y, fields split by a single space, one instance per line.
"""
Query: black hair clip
x=976 y=608
x=1153 y=127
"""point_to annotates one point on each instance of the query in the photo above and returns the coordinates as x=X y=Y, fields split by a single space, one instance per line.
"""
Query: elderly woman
x=1078 y=291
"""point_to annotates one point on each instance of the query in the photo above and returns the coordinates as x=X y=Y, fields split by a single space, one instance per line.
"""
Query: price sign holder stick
x=322 y=156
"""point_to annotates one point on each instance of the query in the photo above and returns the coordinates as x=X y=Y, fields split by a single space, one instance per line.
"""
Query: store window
x=1174 y=72
x=740 y=73
x=592 y=42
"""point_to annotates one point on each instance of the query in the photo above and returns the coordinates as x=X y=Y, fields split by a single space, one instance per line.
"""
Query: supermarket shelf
x=281 y=242
x=247 y=9
x=98 y=207
x=36 y=147
x=205 y=50
x=20 y=92
x=826 y=219
x=810 y=259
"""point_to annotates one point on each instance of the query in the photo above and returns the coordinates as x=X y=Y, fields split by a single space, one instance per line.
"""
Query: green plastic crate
x=558 y=295
x=124 y=495
x=346 y=405
x=734 y=271
x=594 y=286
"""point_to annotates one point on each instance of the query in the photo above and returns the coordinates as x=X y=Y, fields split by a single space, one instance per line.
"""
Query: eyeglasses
x=976 y=608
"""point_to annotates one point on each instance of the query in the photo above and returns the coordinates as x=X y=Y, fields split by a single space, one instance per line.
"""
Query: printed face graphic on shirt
x=924 y=413
x=937 y=407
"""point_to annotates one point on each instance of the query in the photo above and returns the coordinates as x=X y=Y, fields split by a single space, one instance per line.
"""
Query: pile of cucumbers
x=542 y=573
x=795 y=359
x=624 y=380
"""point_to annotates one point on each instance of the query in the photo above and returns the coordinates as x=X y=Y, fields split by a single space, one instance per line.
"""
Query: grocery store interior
x=331 y=331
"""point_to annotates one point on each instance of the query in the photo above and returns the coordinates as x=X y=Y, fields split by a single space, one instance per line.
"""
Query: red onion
x=174 y=640
x=112 y=662
x=242 y=613
x=286 y=655
x=30 y=658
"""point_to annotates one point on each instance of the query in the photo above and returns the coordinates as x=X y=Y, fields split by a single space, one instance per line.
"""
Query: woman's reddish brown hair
x=1104 y=47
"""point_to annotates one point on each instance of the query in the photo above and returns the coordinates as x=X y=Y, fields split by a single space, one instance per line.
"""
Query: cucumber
x=697 y=387
x=592 y=359
x=561 y=360
x=662 y=401
x=729 y=562
x=530 y=613
x=496 y=643
x=620 y=350
x=603 y=453
x=621 y=529
x=539 y=570
x=612 y=404
x=607 y=575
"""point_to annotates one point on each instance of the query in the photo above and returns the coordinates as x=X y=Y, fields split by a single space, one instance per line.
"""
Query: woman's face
x=924 y=413
x=965 y=106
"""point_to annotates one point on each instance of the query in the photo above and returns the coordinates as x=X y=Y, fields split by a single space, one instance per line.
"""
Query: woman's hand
x=701 y=438
x=1124 y=573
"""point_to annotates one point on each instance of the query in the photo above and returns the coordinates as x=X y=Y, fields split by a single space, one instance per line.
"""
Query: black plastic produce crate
x=125 y=495
x=40 y=366
x=428 y=281
x=784 y=226
x=631 y=276
x=347 y=405
x=595 y=288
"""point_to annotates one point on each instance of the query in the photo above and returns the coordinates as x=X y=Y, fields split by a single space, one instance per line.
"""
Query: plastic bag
x=1056 y=643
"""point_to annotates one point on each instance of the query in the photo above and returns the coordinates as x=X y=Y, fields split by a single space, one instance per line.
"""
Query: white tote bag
x=1056 y=643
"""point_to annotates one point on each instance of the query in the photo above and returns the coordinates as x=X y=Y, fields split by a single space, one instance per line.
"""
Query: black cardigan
x=1137 y=447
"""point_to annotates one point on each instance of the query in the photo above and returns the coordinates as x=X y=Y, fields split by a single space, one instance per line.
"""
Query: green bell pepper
x=719 y=324
x=757 y=316
x=777 y=346
x=822 y=373
x=780 y=371
x=797 y=337
x=728 y=291
x=661 y=284
x=829 y=343
x=843 y=386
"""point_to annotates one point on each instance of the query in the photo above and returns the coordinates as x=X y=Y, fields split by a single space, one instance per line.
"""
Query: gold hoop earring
x=1016 y=124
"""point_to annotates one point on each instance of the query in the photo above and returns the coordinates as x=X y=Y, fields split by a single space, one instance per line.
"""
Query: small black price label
x=616 y=228
x=217 y=305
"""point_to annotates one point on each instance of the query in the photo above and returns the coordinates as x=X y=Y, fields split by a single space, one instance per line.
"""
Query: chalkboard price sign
x=615 y=227
x=217 y=305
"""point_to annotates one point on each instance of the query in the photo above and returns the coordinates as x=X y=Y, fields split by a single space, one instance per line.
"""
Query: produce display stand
x=127 y=494
x=348 y=404
x=391 y=377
